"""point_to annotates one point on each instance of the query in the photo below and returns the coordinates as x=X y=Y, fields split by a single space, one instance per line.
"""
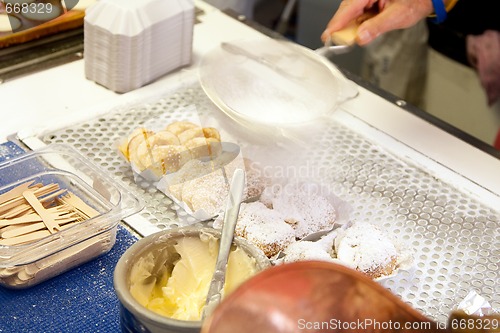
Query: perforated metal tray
x=454 y=235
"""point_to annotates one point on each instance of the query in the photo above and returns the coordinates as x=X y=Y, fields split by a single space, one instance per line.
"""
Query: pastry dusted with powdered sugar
x=263 y=227
x=367 y=248
x=302 y=205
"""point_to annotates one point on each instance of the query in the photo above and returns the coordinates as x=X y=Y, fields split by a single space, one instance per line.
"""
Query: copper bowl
x=314 y=296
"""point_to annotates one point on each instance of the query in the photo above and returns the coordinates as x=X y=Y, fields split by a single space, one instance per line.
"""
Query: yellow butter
x=179 y=288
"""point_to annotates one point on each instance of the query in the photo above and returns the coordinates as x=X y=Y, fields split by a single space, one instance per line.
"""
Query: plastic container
x=28 y=264
x=136 y=318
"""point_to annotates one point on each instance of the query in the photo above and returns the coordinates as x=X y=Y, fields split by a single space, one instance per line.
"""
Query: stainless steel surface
x=453 y=233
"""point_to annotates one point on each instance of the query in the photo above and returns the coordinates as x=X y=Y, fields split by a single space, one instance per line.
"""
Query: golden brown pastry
x=304 y=207
x=180 y=126
x=145 y=146
x=206 y=193
x=191 y=170
x=204 y=147
x=210 y=132
x=167 y=150
x=189 y=134
x=133 y=141
x=198 y=132
x=163 y=138
x=165 y=159
x=368 y=249
x=264 y=227
x=202 y=185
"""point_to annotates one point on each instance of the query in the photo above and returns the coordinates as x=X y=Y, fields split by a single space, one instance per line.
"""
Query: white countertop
x=55 y=95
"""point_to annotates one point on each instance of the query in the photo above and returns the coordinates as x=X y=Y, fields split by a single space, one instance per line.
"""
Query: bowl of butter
x=162 y=280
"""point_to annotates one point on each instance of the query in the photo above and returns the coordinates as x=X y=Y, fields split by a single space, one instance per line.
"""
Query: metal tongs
x=215 y=290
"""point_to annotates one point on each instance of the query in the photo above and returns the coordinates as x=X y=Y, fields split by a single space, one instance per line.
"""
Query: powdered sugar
x=300 y=251
x=263 y=227
x=302 y=206
x=365 y=247
x=362 y=246
x=286 y=213
x=283 y=214
x=201 y=187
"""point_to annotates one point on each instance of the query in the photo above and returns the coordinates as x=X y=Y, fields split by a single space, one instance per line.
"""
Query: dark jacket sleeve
x=467 y=17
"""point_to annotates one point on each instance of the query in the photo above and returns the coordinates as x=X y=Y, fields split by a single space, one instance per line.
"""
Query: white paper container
x=131 y=43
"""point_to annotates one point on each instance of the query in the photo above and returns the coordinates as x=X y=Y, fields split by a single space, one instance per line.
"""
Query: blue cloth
x=79 y=301
x=9 y=150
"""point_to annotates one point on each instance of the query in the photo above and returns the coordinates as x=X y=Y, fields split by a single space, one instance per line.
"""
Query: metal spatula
x=214 y=295
x=330 y=48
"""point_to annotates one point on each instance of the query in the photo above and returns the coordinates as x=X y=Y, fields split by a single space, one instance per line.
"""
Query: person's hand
x=392 y=15
x=483 y=52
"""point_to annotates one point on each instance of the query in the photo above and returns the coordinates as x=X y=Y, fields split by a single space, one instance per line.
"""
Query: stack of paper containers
x=130 y=43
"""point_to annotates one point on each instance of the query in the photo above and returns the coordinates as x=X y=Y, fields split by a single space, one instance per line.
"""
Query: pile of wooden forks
x=32 y=211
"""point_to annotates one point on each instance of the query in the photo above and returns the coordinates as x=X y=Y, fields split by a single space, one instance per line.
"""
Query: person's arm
x=392 y=15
